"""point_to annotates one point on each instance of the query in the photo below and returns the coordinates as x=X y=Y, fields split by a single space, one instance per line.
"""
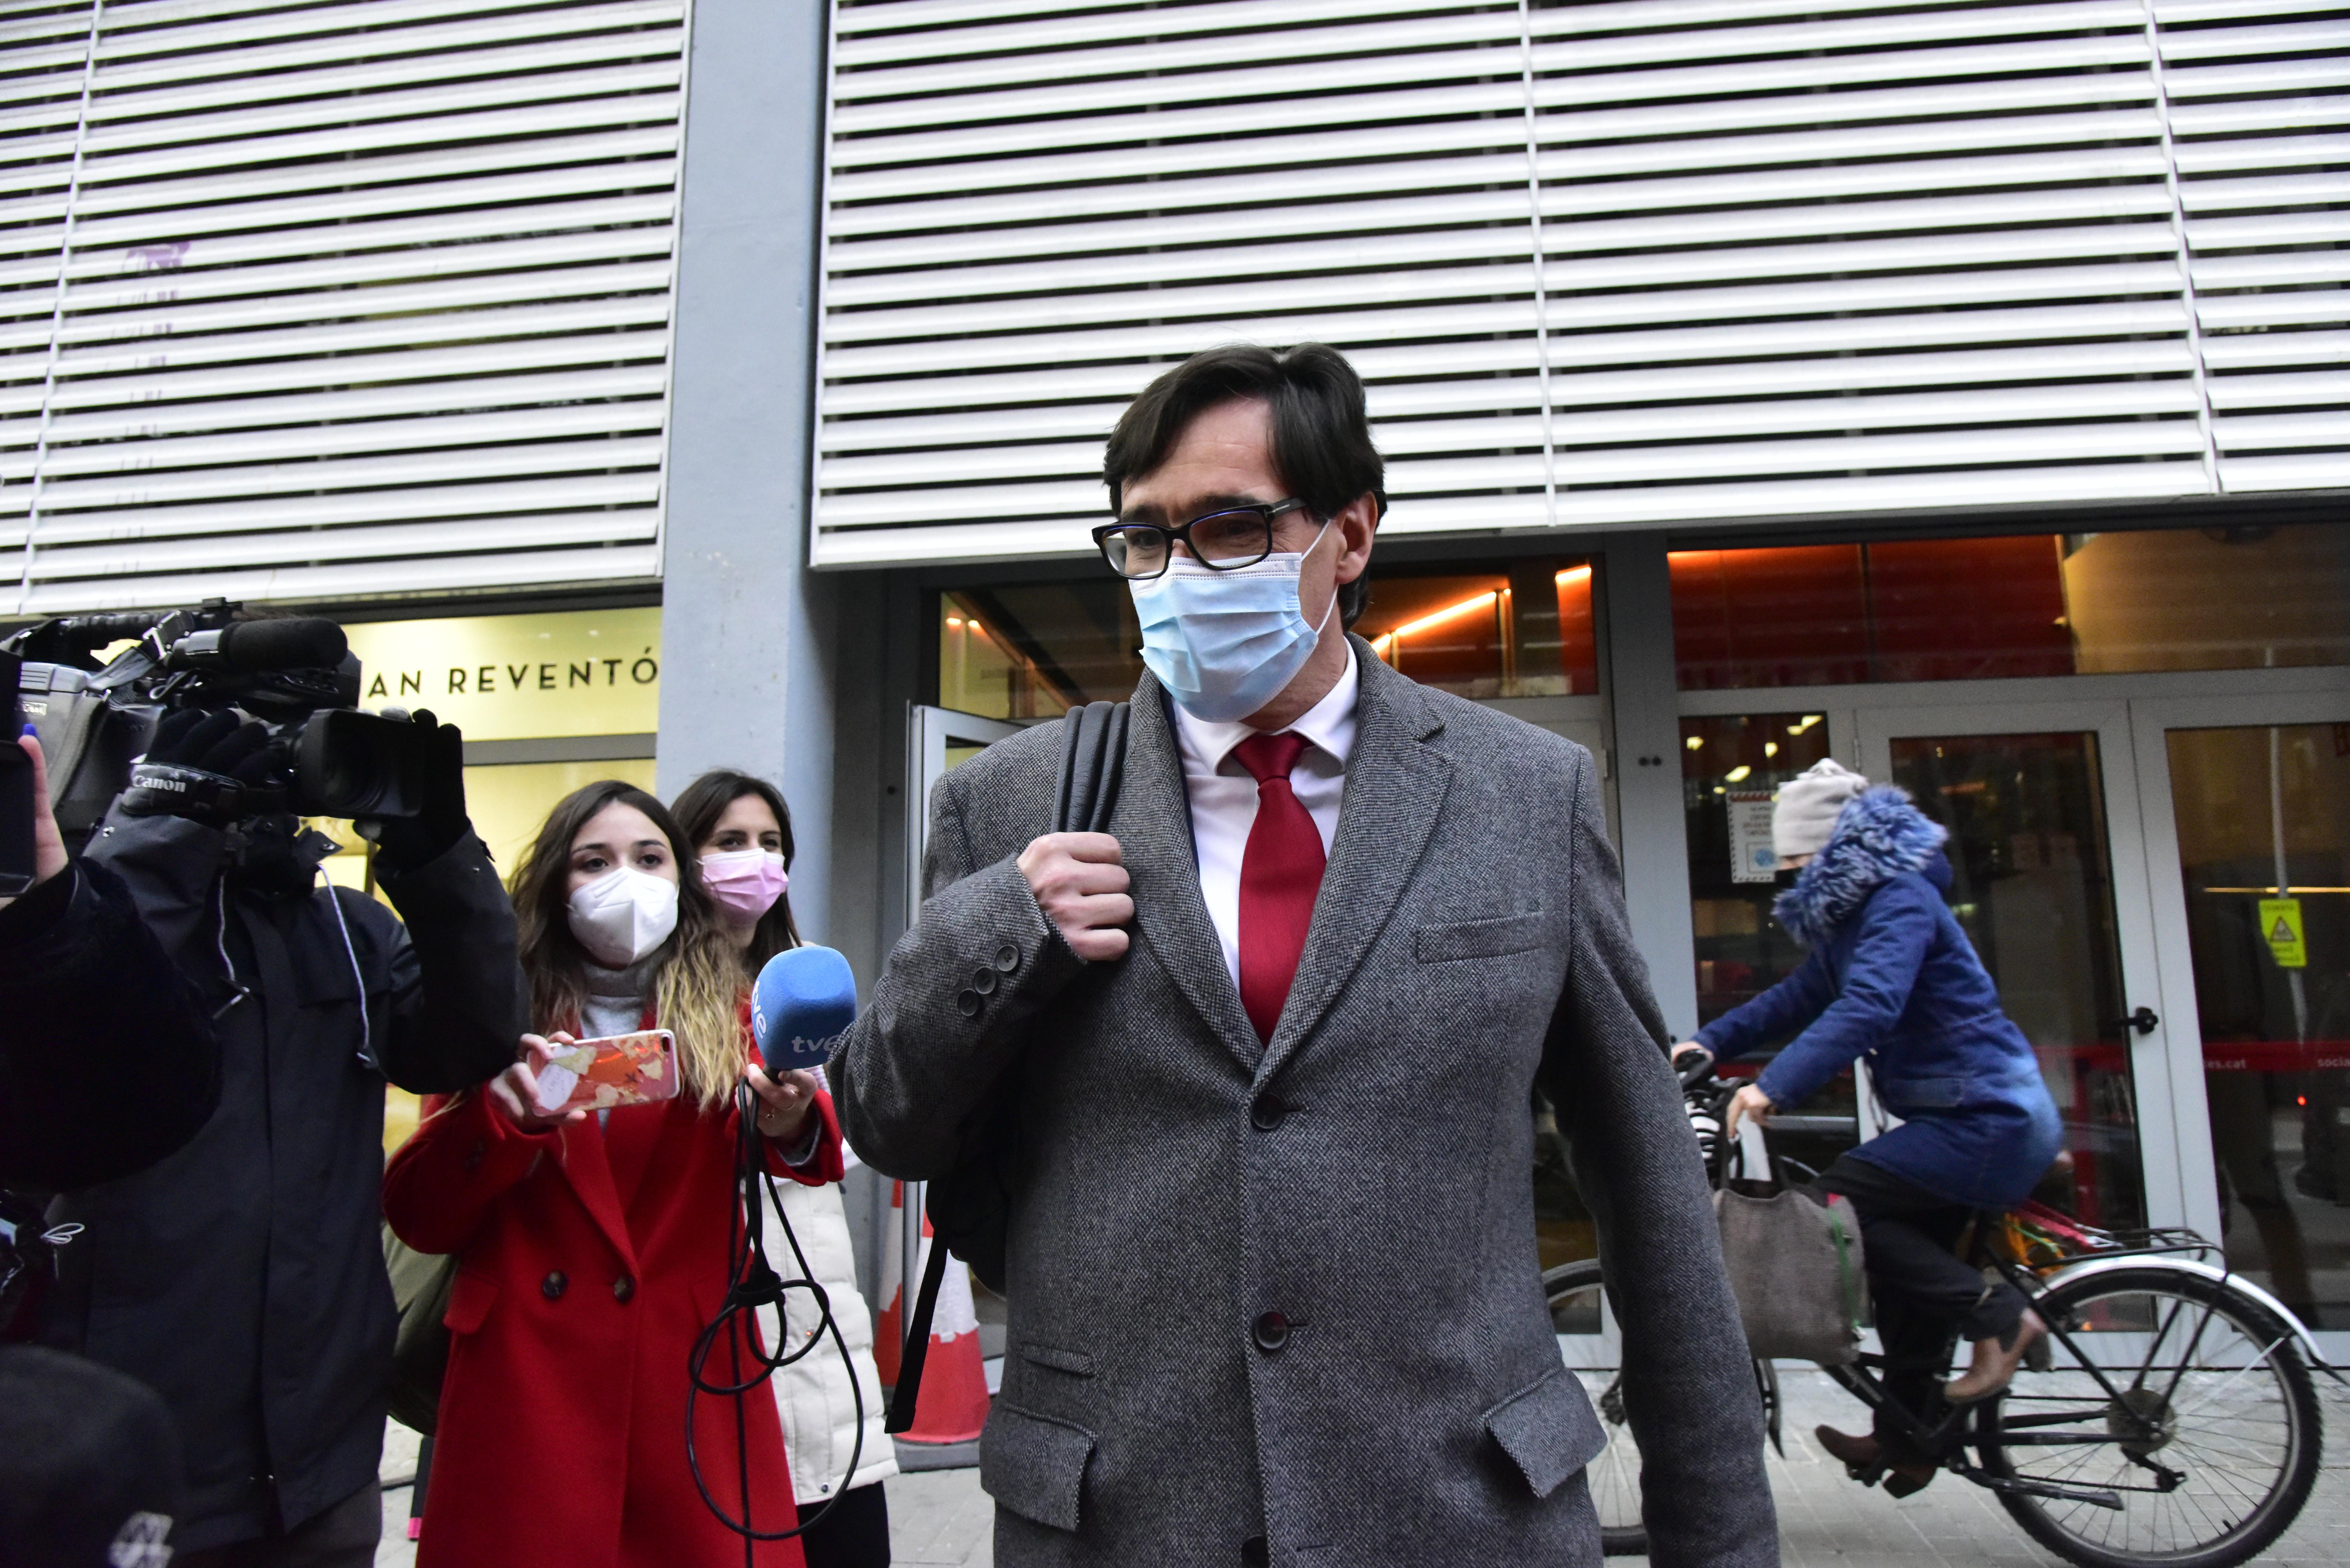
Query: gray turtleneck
x=616 y=999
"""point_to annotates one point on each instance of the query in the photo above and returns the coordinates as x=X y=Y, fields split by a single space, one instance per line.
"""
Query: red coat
x=589 y=1261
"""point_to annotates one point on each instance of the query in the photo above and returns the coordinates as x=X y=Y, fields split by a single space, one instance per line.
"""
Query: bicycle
x=2172 y=1418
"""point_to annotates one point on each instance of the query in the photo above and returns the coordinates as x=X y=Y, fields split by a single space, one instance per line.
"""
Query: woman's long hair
x=696 y=984
x=698 y=808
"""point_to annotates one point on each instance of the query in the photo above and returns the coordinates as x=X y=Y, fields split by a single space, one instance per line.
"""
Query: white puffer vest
x=813 y=1394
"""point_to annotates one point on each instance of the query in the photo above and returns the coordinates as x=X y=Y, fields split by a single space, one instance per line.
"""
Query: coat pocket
x=1923 y=1094
x=1548 y=1429
x=1076 y=1362
x=1035 y=1464
x=471 y=1296
x=1479 y=938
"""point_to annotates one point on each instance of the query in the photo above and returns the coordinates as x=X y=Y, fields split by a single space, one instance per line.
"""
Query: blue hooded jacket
x=1891 y=977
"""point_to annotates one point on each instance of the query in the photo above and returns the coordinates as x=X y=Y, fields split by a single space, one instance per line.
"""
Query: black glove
x=211 y=768
x=407 y=843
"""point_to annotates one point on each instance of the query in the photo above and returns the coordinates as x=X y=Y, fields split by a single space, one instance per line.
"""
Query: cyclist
x=1892 y=978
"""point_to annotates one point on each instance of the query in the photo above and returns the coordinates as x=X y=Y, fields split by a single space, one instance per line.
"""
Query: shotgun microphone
x=252 y=646
x=805 y=999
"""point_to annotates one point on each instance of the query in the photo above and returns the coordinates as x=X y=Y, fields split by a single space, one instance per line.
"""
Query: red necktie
x=1280 y=873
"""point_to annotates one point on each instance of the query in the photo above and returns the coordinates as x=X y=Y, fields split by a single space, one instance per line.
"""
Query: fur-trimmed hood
x=1880 y=836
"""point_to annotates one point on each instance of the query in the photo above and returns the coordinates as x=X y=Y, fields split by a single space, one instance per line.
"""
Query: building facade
x=1954 y=390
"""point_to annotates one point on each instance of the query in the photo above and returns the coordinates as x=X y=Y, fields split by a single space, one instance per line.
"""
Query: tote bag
x=1795 y=1265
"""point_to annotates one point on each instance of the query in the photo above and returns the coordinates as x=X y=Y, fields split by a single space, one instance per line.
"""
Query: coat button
x=554 y=1286
x=1271 y=1332
x=474 y=1154
x=1268 y=1113
x=968 y=1005
x=1007 y=958
x=623 y=1288
x=982 y=980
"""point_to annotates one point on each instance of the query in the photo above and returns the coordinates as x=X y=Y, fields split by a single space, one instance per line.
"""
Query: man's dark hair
x=1321 y=440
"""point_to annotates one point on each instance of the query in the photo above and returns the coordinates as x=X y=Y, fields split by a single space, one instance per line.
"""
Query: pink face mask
x=745 y=882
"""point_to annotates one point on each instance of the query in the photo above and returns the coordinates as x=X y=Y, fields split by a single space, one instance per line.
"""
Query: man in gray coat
x=1273 y=1040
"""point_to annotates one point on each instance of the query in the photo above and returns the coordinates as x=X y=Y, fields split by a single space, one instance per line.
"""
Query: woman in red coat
x=592 y=1248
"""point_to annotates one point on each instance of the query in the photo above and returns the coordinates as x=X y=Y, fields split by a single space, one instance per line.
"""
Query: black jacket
x=242 y=1278
x=92 y=1013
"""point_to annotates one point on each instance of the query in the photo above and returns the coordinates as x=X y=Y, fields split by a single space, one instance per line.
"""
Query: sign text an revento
x=487 y=679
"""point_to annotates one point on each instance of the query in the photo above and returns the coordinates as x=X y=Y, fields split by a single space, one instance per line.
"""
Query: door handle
x=2143 y=1020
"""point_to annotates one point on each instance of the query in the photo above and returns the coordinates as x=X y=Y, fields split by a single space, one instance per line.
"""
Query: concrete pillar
x=747 y=630
x=751 y=637
x=1645 y=708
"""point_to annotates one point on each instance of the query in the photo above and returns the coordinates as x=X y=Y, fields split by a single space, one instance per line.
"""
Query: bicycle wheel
x=1593 y=1350
x=2183 y=1400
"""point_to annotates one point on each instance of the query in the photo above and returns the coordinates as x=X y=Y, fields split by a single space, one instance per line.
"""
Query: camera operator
x=242 y=1277
x=89 y=1460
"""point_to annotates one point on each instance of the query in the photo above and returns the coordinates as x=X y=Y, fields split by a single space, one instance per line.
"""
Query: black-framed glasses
x=1226 y=539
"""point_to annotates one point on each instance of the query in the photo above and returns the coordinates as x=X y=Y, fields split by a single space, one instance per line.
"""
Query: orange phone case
x=614 y=1070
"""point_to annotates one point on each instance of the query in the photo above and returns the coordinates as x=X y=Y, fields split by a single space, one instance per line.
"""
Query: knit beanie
x=1805 y=814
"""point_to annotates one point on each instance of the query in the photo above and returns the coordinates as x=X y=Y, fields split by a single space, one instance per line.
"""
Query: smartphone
x=16 y=787
x=613 y=1070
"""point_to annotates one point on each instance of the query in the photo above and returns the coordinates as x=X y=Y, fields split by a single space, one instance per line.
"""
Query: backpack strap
x=916 y=1348
x=1093 y=766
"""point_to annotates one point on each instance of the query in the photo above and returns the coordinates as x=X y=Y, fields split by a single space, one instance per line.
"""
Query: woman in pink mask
x=742 y=831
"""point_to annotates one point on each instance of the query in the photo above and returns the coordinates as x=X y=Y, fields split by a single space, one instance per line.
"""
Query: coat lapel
x=1395 y=790
x=1153 y=825
x=586 y=1166
x=629 y=1139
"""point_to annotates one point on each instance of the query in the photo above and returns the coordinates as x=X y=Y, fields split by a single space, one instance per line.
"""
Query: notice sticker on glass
x=2281 y=924
x=1751 y=858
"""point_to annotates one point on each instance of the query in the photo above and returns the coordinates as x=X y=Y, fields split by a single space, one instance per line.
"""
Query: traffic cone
x=952 y=1405
x=890 y=1327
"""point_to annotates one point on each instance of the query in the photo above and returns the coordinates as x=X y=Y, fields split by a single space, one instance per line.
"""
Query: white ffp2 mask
x=623 y=915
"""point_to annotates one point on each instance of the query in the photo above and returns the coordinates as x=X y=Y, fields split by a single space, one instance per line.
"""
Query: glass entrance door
x=937 y=739
x=2048 y=880
x=2248 y=813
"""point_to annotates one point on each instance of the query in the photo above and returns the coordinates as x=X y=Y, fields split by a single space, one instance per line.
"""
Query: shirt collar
x=1328 y=726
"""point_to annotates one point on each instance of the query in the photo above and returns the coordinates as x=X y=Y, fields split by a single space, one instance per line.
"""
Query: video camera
x=296 y=676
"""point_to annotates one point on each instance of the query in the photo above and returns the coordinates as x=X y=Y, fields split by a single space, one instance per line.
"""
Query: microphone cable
x=753 y=1283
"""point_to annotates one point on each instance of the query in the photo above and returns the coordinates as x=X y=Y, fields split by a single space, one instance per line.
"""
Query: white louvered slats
x=358 y=299
x=1631 y=261
x=1835 y=132
x=999 y=282
x=2260 y=113
x=42 y=92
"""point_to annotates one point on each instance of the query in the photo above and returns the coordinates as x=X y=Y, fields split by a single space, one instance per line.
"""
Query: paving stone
x=1825 y=1521
x=940 y=1519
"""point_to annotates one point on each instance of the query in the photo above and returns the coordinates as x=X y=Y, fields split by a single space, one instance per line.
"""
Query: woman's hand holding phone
x=516 y=1090
x=784 y=1103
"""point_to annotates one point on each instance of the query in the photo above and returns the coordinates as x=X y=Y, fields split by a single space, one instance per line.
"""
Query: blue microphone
x=806 y=999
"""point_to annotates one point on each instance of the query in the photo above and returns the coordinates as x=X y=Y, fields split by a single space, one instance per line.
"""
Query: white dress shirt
x=1224 y=795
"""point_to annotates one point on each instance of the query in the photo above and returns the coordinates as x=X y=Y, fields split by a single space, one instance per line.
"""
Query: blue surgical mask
x=1225 y=643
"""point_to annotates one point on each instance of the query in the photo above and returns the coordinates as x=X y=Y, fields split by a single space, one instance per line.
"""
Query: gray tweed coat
x=1366 y=1175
